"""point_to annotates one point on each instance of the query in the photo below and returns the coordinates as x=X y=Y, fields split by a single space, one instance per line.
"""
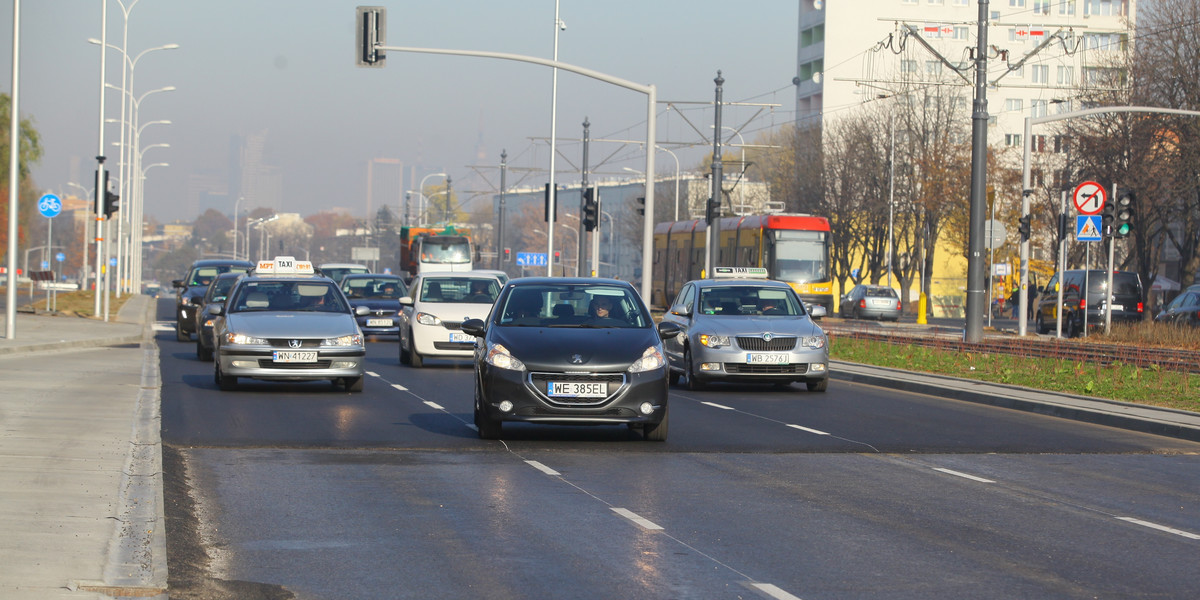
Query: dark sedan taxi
x=576 y=351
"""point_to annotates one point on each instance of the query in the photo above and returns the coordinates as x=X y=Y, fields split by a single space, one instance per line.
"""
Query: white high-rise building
x=856 y=51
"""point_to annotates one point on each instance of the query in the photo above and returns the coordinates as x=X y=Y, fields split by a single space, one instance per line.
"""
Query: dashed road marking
x=963 y=475
x=635 y=518
x=720 y=406
x=400 y=387
x=1179 y=532
x=773 y=591
x=801 y=428
x=543 y=468
x=372 y=373
x=433 y=405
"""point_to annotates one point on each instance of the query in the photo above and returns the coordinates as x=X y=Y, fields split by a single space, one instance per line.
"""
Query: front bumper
x=730 y=363
x=528 y=393
x=435 y=340
x=256 y=362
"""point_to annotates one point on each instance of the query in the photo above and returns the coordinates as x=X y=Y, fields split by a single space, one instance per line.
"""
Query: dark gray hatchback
x=1080 y=309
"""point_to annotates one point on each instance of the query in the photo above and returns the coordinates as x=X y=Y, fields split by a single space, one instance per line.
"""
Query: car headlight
x=651 y=359
x=428 y=319
x=343 y=341
x=714 y=341
x=238 y=338
x=815 y=342
x=498 y=356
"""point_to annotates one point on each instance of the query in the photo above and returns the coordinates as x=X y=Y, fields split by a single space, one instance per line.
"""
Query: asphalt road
x=760 y=492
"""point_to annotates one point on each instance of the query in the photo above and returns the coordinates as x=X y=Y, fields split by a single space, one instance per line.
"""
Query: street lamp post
x=421 y=191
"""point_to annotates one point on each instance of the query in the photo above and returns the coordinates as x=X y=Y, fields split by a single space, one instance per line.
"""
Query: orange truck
x=424 y=249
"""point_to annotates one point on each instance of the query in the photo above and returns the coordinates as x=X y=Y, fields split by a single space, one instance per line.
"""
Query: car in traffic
x=434 y=310
x=1085 y=299
x=216 y=293
x=865 y=301
x=283 y=322
x=501 y=275
x=336 y=271
x=1183 y=310
x=576 y=351
x=381 y=295
x=190 y=290
x=740 y=326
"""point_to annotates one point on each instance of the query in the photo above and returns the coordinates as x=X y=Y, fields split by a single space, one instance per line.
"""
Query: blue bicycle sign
x=49 y=205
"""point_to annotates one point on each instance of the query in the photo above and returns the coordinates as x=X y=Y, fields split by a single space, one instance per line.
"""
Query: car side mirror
x=475 y=327
x=816 y=311
x=362 y=311
x=681 y=310
x=667 y=329
x=215 y=309
x=406 y=300
x=178 y=283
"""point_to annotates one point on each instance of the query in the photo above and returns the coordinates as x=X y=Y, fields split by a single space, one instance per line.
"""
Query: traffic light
x=1123 y=223
x=712 y=210
x=557 y=257
x=591 y=209
x=508 y=255
x=111 y=203
x=546 y=199
x=372 y=30
x=1023 y=227
x=1106 y=218
x=641 y=200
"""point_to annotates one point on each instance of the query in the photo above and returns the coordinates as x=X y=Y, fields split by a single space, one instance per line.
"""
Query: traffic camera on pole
x=1123 y=223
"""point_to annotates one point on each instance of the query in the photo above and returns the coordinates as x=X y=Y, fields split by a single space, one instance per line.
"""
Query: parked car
x=190 y=289
x=1183 y=310
x=739 y=326
x=581 y=351
x=381 y=295
x=283 y=322
x=434 y=310
x=217 y=291
x=1080 y=306
x=336 y=271
x=870 y=302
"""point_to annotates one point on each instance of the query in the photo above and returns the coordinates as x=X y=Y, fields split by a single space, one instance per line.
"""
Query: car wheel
x=203 y=353
x=225 y=383
x=489 y=429
x=1040 y=324
x=819 y=385
x=652 y=432
x=354 y=384
x=414 y=358
x=180 y=334
x=673 y=376
x=693 y=382
x=405 y=358
x=1072 y=328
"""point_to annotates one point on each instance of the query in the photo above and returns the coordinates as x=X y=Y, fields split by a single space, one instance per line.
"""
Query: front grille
x=757 y=344
x=383 y=313
x=266 y=363
x=744 y=369
x=283 y=343
x=538 y=382
x=452 y=325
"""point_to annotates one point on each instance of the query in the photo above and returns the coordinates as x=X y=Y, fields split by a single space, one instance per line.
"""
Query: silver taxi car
x=740 y=326
x=283 y=322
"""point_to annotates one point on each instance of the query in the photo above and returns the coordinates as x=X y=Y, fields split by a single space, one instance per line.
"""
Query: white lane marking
x=963 y=475
x=816 y=431
x=399 y=387
x=773 y=591
x=1180 y=532
x=433 y=405
x=543 y=468
x=163 y=326
x=372 y=373
x=635 y=518
x=720 y=406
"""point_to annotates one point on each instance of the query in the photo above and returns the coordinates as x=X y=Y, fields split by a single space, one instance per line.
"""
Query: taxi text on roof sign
x=285 y=265
x=739 y=273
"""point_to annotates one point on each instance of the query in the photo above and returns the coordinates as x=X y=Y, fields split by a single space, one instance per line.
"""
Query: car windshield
x=881 y=292
x=373 y=288
x=572 y=305
x=298 y=295
x=205 y=275
x=744 y=300
x=220 y=288
x=337 y=273
x=474 y=290
x=1123 y=283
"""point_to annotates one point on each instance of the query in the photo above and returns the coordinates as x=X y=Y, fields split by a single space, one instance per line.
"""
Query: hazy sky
x=286 y=67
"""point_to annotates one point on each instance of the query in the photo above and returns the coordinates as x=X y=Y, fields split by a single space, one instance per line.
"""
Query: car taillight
x=862 y=303
x=897 y=305
x=1139 y=307
x=1083 y=304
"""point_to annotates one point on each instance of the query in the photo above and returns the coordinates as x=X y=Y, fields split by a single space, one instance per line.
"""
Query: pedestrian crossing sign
x=1087 y=228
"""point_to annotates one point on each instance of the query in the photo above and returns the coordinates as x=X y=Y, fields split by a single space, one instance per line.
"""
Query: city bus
x=792 y=247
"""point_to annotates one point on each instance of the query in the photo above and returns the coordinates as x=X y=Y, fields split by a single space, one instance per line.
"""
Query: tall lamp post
x=421 y=191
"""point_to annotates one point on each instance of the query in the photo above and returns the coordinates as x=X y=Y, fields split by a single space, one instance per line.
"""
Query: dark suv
x=1125 y=299
x=190 y=290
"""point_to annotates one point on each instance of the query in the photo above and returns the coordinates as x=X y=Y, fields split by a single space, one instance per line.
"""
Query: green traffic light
x=1123 y=229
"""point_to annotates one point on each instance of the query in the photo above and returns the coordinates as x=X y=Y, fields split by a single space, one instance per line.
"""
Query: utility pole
x=713 y=214
x=446 y=221
x=500 y=216
x=582 y=199
x=973 y=331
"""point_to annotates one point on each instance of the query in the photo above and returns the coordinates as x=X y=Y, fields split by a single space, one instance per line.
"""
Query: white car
x=431 y=315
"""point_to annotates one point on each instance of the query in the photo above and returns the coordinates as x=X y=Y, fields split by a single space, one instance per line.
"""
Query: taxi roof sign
x=739 y=273
x=284 y=265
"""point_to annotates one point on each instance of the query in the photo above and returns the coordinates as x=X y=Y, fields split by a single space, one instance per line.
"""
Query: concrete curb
x=1147 y=419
